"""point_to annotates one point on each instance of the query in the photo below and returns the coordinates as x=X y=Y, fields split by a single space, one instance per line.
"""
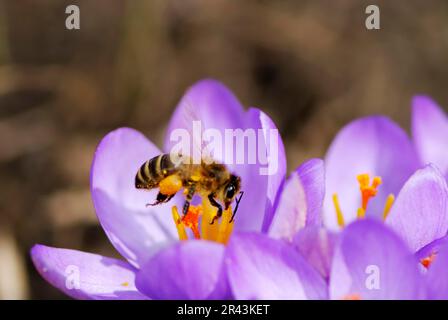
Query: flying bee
x=212 y=180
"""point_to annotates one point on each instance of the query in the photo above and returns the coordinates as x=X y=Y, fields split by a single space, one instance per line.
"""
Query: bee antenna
x=237 y=204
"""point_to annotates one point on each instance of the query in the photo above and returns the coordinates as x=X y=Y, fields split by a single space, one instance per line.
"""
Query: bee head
x=231 y=189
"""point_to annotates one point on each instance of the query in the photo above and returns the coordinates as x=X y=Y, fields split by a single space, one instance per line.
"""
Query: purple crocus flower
x=157 y=265
x=378 y=147
x=370 y=162
x=370 y=262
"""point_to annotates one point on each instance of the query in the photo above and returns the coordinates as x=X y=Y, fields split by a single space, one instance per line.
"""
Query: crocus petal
x=207 y=105
x=317 y=245
x=205 y=116
x=133 y=229
x=260 y=267
x=261 y=179
x=420 y=213
x=372 y=145
x=437 y=276
x=186 y=270
x=290 y=215
x=431 y=248
x=300 y=202
x=271 y=169
x=210 y=103
x=430 y=132
x=371 y=262
x=84 y=275
x=312 y=176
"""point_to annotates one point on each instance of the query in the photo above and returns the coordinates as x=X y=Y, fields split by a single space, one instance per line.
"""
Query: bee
x=213 y=180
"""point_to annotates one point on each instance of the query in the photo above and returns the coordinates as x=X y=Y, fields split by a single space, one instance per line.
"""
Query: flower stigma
x=198 y=220
x=368 y=190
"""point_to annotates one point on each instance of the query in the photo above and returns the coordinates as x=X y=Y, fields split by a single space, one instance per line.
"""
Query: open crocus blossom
x=372 y=169
x=371 y=158
x=158 y=265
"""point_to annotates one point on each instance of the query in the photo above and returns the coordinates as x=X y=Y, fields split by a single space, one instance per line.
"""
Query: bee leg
x=186 y=207
x=161 y=198
x=214 y=203
x=190 y=194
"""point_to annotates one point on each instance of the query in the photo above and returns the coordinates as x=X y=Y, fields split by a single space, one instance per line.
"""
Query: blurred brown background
x=311 y=65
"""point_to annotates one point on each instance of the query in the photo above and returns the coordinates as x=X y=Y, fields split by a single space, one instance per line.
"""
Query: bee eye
x=230 y=192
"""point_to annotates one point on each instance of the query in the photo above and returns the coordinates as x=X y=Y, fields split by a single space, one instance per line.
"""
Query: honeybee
x=212 y=180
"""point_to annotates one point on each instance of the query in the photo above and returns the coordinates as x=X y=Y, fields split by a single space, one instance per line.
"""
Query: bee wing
x=193 y=123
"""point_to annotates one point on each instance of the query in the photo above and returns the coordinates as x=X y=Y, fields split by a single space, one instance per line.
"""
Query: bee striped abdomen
x=153 y=171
